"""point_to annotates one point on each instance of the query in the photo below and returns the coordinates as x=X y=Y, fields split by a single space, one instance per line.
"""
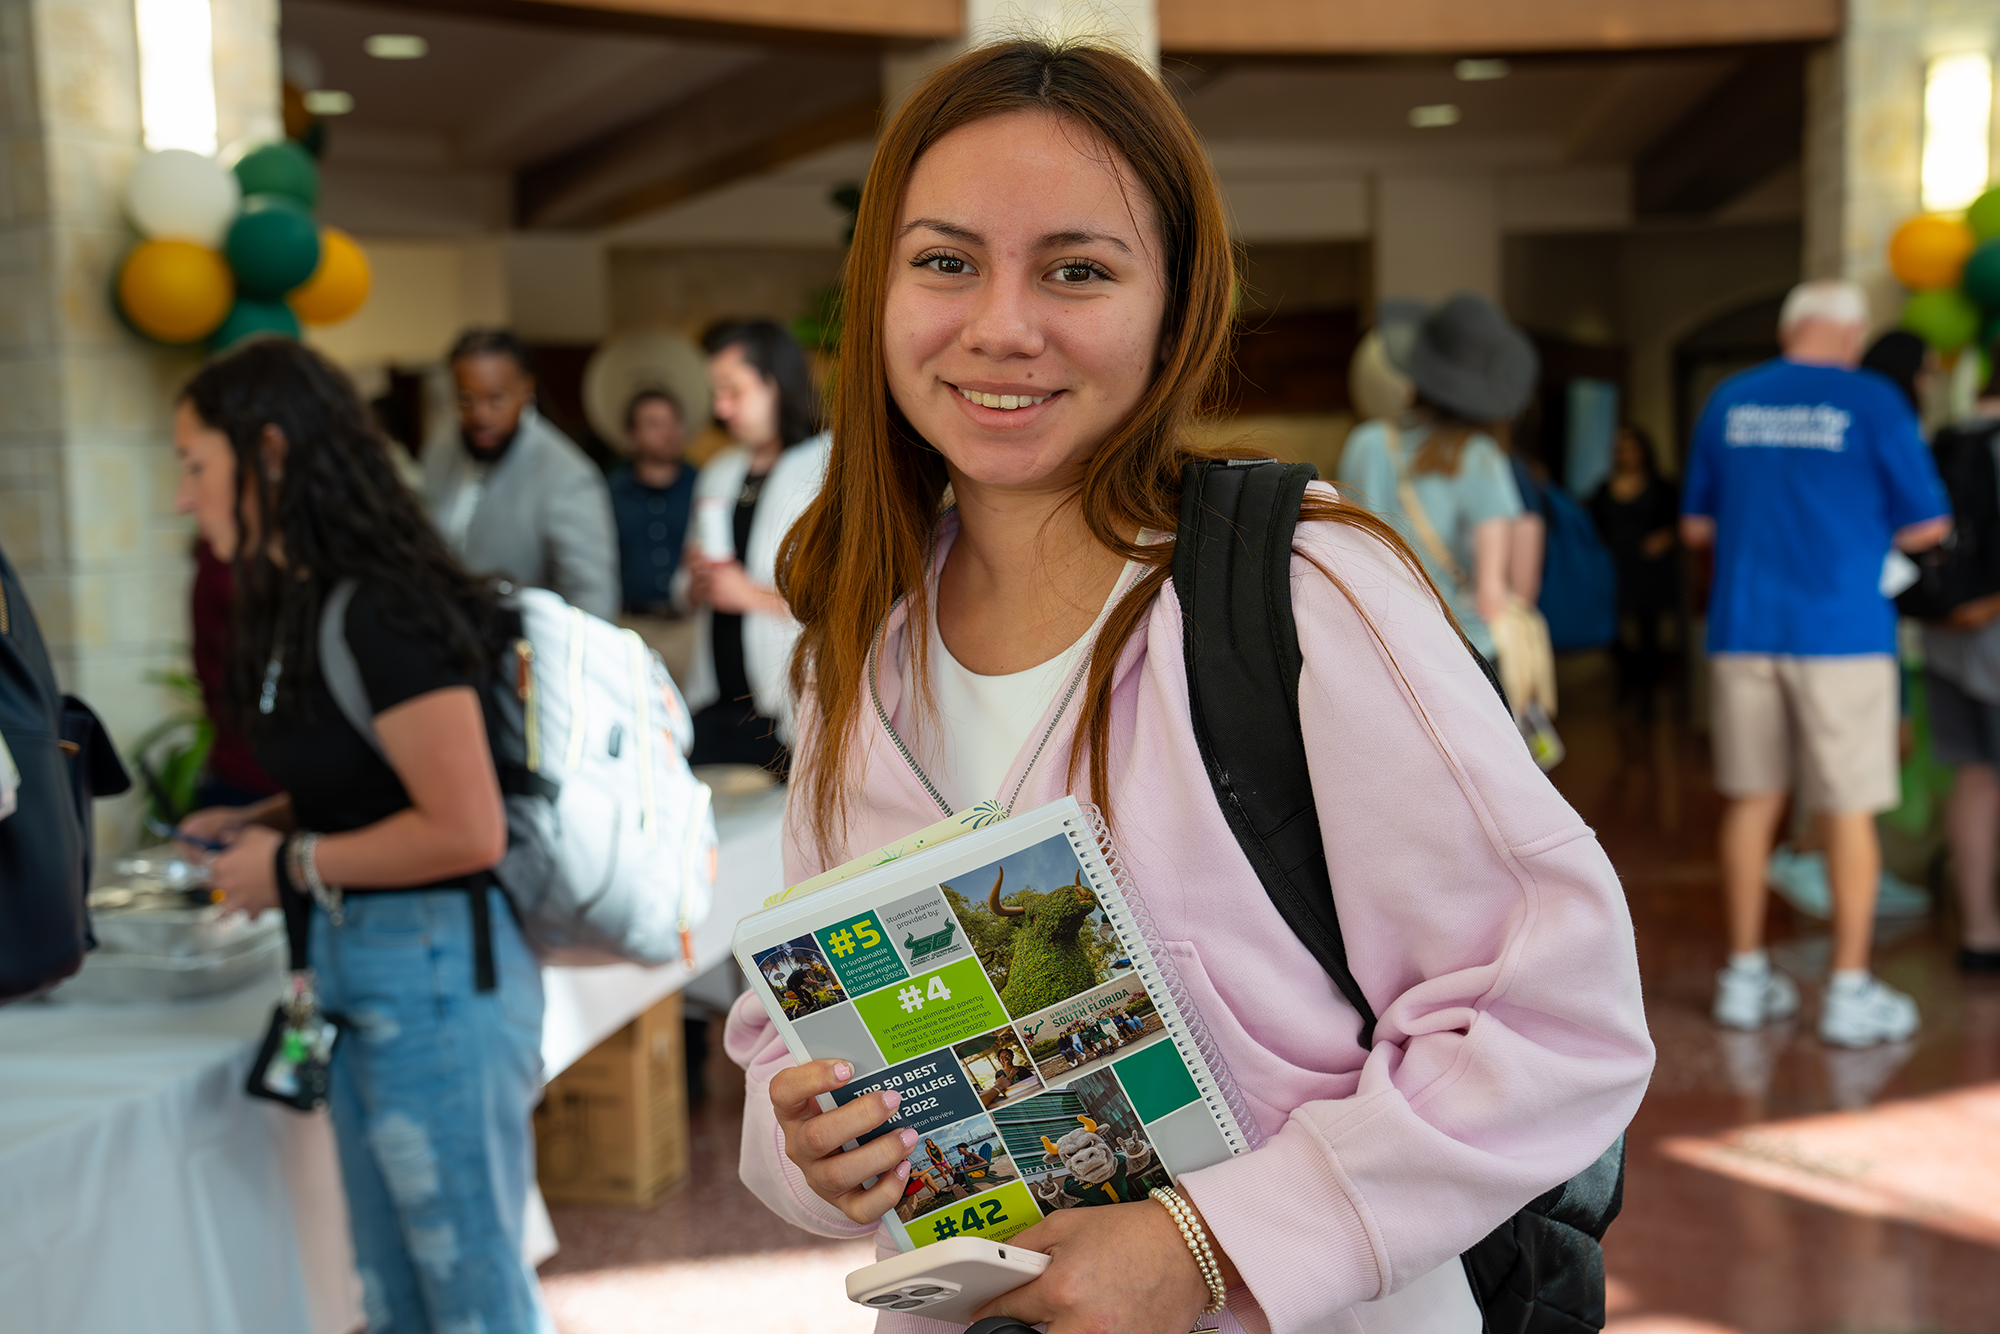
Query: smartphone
x=948 y=1280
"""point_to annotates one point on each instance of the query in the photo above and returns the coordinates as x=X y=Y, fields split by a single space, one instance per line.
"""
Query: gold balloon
x=338 y=286
x=1928 y=252
x=175 y=291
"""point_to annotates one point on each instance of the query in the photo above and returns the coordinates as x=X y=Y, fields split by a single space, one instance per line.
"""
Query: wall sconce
x=176 y=74
x=1958 y=125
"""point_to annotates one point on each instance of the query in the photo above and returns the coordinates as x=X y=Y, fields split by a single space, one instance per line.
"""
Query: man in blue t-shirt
x=1804 y=473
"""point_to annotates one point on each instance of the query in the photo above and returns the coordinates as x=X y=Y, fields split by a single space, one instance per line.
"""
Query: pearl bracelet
x=1196 y=1238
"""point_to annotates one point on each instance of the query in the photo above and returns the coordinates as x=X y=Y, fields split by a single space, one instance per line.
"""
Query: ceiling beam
x=770 y=113
x=1471 y=27
x=871 y=25
x=1749 y=127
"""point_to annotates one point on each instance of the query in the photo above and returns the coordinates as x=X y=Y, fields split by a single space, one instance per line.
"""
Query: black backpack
x=1541 y=1271
x=65 y=760
x=1966 y=565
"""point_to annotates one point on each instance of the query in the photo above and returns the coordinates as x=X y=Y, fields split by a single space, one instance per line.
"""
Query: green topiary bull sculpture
x=1049 y=962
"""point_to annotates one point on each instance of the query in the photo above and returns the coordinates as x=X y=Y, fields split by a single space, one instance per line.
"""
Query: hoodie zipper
x=882 y=716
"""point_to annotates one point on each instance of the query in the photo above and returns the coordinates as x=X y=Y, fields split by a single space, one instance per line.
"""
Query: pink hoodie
x=1481 y=919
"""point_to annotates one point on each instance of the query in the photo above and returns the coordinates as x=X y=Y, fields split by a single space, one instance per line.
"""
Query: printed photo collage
x=1033 y=1065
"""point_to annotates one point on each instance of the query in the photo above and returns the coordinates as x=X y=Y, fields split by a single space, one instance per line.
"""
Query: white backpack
x=611 y=845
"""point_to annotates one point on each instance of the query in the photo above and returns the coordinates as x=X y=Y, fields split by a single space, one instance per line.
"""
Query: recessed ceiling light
x=396 y=46
x=1434 y=117
x=329 y=102
x=1478 y=71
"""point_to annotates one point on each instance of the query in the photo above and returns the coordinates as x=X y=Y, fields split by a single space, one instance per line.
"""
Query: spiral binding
x=1211 y=1072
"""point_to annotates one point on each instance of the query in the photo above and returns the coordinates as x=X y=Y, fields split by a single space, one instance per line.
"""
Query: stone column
x=1864 y=132
x=86 y=468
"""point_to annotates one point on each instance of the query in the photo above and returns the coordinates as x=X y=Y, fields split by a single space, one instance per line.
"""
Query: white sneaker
x=1865 y=1014
x=1751 y=998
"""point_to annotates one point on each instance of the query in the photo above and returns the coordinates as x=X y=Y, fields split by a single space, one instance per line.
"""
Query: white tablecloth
x=139 y=1185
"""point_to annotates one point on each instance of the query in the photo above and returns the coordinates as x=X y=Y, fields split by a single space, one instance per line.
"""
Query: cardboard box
x=612 y=1129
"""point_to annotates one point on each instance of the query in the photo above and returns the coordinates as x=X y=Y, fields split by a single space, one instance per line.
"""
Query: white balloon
x=176 y=195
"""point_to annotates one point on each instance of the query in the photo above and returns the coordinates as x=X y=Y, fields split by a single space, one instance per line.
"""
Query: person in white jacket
x=738 y=681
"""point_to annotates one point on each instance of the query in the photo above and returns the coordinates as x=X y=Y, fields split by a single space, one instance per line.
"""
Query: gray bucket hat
x=1397 y=320
x=1469 y=360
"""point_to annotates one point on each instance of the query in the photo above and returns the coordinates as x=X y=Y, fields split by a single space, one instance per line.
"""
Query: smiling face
x=1025 y=301
x=207 y=486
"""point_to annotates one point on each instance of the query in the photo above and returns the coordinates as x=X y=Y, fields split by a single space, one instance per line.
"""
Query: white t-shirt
x=985 y=722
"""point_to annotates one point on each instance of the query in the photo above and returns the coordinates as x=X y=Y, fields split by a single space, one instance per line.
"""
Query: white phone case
x=949 y=1280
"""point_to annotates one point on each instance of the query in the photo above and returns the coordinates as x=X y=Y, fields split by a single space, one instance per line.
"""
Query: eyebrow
x=1049 y=241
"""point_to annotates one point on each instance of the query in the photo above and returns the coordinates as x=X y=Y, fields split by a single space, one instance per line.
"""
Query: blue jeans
x=433 y=1090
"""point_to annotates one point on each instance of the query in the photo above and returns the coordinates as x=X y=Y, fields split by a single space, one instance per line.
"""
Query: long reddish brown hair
x=866 y=541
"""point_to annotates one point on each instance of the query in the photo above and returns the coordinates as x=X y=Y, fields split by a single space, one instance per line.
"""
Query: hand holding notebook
x=1012 y=1030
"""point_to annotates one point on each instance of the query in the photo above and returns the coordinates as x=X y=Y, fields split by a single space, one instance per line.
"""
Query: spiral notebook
x=1001 y=974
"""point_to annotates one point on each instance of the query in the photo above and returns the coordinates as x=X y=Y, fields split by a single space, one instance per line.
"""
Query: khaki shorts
x=1837 y=716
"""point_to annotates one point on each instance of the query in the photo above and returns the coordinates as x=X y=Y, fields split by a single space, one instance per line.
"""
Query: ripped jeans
x=433 y=1090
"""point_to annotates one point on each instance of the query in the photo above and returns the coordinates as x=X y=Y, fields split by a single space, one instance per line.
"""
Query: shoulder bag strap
x=340 y=671
x=1420 y=521
x=1233 y=577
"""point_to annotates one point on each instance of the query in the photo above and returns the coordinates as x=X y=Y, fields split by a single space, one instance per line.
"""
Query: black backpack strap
x=1233 y=576
x=1541 y=1271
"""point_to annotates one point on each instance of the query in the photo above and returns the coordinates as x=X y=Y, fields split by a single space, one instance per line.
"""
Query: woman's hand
x=245 y=872
x=1656 y=544
x=699 y=593
x=813 y=1139
x=1117 y=1269
x=217 y=824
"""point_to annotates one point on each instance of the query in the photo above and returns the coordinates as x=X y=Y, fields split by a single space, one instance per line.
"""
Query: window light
x=1958 y=119
x=176 y=74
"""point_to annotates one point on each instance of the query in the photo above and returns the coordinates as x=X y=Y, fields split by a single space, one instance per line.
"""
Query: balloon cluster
x=229 y=253
x=1952 y=268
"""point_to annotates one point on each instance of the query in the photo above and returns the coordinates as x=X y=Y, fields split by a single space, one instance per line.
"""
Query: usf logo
x=924 y=947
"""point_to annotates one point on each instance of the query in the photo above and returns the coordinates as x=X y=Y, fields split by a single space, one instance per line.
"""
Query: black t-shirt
x=336 y=780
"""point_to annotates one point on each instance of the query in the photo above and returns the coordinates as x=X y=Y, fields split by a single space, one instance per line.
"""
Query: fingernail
x=892 y=1099
x=909 y=1138
x=903 y=1170
x=842 y=1071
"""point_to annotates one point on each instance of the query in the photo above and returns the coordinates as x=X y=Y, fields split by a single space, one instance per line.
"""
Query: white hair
x=1835 y=300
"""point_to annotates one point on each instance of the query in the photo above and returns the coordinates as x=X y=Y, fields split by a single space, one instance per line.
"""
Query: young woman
x=1471 y=370
x=746 y=498
x=1038 y=297
x=434 y=1083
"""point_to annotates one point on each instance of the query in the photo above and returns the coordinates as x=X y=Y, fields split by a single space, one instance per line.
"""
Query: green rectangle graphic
x=931 y=1011
x=861 y=954
x=1157 y=1080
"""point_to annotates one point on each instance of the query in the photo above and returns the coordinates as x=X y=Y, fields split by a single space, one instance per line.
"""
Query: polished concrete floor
x=1775 y=1186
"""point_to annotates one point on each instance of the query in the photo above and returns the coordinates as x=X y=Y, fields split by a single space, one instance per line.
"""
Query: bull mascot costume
x=1098 y=1173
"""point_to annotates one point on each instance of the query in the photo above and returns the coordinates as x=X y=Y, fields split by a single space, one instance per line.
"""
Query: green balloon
x=1984 y=215
x=1943 y=318
x=251 y=317
x=282 y=168
x=1981 y=278
x=273 y=245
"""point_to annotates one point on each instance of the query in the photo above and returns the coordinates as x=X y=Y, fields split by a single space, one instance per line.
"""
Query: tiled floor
x=1697 y=1251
